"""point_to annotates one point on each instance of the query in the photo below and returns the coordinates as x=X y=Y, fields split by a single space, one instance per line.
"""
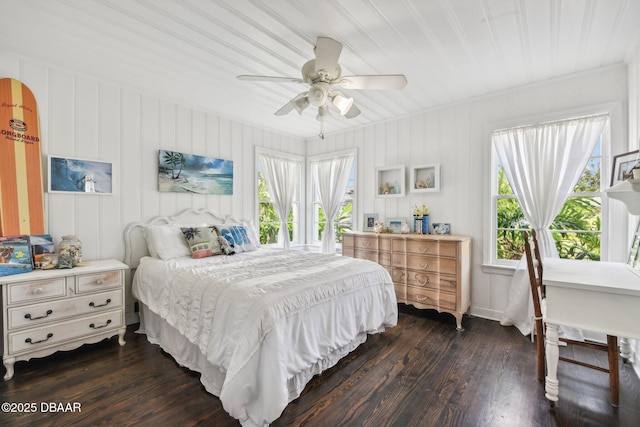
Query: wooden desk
x=590 y=295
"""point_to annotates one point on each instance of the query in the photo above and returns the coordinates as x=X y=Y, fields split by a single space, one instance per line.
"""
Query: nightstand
x=45 y=311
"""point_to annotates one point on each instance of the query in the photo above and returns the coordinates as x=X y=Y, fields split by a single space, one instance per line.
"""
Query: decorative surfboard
x=21 y=188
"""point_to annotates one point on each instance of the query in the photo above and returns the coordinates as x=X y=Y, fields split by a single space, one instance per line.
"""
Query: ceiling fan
x=322 y=74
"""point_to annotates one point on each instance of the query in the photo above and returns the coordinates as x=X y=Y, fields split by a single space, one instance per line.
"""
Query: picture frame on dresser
x=424 y=178
x=395 y=224
x=368 y=221
x=390 y=181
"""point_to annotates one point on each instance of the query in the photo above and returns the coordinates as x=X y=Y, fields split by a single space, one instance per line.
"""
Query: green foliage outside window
x=575 y=230
x=342 y=223
x=268 y=218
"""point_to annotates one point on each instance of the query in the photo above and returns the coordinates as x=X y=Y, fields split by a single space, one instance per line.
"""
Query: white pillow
x=166 y=242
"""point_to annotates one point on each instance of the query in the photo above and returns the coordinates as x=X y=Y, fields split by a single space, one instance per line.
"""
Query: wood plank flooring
x=421 y=373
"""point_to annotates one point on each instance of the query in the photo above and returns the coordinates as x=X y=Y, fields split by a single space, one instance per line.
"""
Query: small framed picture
x=368 y=221
x=395 y=224
x=78 y=176
x=441 y=228
x=623 y=165
x=15 y=255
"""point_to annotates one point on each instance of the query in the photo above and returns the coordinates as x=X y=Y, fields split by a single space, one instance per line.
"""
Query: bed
x=257 y=324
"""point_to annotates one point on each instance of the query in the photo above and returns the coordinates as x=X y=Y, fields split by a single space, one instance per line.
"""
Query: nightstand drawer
x=99 y=281
x=48 y=335
x=38 y=289
x=37 y=314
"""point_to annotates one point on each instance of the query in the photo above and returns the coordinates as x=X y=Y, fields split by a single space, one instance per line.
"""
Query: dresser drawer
x=425 y=263
x=424 y=279
x=47 y=335
x=364 y=254
x=366 y=242
x=36 y=290
x=431 y=297
x=98 y=281
x=426 y=247
x=37 y=314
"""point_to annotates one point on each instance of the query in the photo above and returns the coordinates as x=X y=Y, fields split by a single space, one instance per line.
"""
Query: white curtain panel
x=282 y=177
x=543 y=164
x=331 y=177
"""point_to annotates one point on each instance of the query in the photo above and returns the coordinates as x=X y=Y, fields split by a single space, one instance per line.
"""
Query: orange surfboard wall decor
x=21 y=187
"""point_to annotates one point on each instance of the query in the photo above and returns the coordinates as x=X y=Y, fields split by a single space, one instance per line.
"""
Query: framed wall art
x=390 y=181
x=368 y=221
x=425 y=178
x=623 y=165
x=79 y=176
x=188 y=173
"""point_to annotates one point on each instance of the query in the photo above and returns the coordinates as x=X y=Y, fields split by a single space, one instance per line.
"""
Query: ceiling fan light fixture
x=323 y=113
x=318 y=94
x=300 y=104
x=342 y=103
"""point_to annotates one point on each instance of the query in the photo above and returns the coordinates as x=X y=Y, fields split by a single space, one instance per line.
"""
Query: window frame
x=298 y=203
x=611 y=141
x=312 y=229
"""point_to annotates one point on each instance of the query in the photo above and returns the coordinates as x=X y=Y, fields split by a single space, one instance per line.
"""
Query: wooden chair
x=534 y=265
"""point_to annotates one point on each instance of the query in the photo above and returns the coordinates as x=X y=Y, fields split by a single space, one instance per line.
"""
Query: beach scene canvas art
x=188 y=173
x=79 y=176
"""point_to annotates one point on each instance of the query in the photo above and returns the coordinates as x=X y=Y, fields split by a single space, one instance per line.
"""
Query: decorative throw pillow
x=165 y=241
x=203 y=241
x=227 y=248
x=237 y=236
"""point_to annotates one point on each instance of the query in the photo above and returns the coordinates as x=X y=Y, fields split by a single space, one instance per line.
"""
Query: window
x=268 y=219
x=576 y=230
x=344 y=219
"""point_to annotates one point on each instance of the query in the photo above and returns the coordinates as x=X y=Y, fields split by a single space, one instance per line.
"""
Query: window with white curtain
x=344 y=220
x=577 y=230
x=268 y=219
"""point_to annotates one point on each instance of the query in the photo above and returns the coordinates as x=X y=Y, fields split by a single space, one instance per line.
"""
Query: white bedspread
x=270 y=319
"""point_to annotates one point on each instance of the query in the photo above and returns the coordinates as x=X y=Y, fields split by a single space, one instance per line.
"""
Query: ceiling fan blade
x=300 y=102
x=271 y=79
x=390 y=81
x=352 y=112
x=327 y=54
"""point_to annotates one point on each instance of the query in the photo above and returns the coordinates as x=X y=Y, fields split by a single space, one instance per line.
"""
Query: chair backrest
x=534 y=266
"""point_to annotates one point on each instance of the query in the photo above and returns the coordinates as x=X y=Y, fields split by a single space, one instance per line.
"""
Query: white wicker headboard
x=135 y=245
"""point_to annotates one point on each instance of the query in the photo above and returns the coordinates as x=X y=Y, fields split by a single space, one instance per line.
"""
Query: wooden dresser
x=428 y=271
x=45 y=311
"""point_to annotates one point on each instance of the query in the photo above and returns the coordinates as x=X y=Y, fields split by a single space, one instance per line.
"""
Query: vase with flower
x=421 y=219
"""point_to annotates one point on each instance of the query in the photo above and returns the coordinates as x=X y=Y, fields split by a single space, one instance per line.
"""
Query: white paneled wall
x=634 y=144
x=457 y=137
x=90 y=119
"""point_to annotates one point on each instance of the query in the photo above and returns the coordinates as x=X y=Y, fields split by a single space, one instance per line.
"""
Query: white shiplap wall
x=457 y=137
x=91 y=119
x=634 y=144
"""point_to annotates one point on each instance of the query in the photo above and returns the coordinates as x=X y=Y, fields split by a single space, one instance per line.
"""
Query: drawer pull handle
x=365 y=244
x=93 y=325
x=422 y=282
x=92 y=304
x=38 y=291
x=29 y=341
x=423 y=266
x=99 y=282
x=28 y=315
x=421 y=298
x=422 y=250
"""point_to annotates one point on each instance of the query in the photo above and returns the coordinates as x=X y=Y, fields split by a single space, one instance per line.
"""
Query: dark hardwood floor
x=420 y=373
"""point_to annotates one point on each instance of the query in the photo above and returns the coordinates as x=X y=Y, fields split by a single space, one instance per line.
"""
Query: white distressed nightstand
x=45 y=311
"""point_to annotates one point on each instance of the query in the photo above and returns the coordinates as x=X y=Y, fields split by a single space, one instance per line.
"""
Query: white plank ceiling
x=190 y=51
